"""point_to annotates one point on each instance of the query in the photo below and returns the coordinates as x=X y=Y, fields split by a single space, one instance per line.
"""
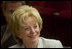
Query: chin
x=34 y=39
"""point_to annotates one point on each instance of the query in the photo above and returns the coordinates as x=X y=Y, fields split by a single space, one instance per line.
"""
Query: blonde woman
x=26 y=24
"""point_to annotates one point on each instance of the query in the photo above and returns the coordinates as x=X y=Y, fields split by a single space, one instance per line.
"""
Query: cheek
x=8 y=17
x=23 y=34
x=37 y=31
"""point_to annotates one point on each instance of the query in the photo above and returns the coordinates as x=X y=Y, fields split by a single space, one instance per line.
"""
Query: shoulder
x=17 y=46
x=14 y=46
x=51 y=43
x=3 y=28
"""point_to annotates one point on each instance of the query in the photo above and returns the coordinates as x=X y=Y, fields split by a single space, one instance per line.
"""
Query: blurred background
x=56 y=17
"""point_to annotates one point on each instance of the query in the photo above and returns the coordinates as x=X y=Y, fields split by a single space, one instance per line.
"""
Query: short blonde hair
x=20 y=14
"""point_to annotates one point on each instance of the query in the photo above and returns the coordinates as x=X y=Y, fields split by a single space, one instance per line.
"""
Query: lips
x=32 y=36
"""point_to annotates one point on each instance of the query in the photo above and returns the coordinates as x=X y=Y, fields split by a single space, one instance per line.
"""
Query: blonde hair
x=20 y=14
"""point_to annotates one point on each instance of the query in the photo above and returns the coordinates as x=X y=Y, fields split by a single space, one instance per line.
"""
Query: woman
x=26 y=24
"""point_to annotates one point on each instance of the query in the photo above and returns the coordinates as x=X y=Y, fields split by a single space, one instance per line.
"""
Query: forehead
x=13 y=5
x=30 y=21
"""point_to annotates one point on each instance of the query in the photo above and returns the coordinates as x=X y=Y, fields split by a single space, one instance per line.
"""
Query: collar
x=40 y=43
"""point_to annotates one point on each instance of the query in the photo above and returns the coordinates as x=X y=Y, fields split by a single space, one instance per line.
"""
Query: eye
x=10 y=11
x=27 y=29
x=35 y=26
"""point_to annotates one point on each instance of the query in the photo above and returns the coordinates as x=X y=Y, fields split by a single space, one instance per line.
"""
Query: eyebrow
x=27 y=25
x=24 y=26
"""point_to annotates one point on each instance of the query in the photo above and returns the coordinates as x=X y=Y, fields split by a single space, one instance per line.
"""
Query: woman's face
x=30 y=31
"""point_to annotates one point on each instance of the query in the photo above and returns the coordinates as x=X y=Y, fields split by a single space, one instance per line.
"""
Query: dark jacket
x=10 y=41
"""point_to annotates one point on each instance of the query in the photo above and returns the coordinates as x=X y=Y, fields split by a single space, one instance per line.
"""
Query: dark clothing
x=10 y=41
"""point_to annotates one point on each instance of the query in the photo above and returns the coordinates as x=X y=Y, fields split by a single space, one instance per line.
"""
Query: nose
x=32 y=31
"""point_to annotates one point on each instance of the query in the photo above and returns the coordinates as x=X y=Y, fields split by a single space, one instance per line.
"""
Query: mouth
x=32 y=36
